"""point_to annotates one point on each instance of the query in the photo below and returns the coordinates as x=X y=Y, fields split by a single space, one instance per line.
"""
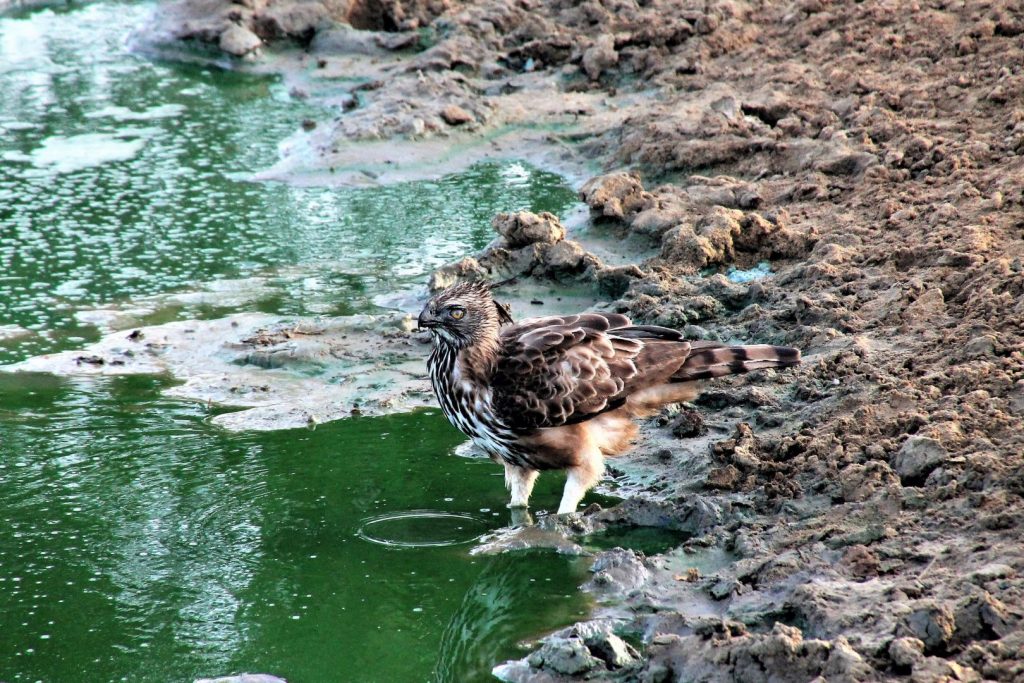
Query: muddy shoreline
x=856 y=519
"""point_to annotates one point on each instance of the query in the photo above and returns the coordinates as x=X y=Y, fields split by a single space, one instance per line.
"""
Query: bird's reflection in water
x=520 y=517
x=518 y=595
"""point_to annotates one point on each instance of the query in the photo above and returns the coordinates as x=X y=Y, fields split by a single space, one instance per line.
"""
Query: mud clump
x=524 y=228
x=529 y=244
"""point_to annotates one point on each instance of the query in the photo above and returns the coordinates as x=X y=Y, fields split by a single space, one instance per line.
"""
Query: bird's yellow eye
x=457 y=313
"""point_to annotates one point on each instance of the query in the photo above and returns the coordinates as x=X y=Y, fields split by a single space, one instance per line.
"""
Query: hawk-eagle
x=561 y=392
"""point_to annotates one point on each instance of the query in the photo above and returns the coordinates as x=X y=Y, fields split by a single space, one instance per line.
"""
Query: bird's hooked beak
x=426 y=320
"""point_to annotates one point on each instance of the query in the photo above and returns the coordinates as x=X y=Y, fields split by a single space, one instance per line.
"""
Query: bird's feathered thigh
x=564 y=381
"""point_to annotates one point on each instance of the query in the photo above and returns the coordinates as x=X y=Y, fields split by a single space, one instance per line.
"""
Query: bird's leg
x=580 y=479
x=521 y=481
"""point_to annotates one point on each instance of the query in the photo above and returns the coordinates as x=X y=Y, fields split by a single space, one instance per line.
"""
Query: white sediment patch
x=286 y=374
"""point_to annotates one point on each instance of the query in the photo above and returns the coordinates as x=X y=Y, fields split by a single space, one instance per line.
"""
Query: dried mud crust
x=873 y=499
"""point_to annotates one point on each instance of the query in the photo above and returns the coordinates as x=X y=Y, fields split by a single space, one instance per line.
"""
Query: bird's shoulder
x=530 y=331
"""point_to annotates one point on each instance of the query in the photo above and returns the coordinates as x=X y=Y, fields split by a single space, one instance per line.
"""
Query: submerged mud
x=857 y=518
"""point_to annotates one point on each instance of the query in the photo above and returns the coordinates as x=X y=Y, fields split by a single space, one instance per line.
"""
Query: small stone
x=991 y=572
x=568 y=656
x=565 y=255
x=616 y=652
x=979 y=347
x=239 y=41
x=982 y=617
x=467 y=268
x=723 y=588
x=616 y=195
x=726 y=478
x=600 y=56
x=904 y=652
x=523 y=228
x=918 y=456
x=454 y=115
x=933 y=626
x=687 y=424
x=860 y=561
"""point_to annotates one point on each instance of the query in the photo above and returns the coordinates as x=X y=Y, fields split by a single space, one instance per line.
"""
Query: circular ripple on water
x=422 y=529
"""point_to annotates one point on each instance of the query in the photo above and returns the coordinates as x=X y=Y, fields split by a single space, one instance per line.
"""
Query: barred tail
x=708 y=360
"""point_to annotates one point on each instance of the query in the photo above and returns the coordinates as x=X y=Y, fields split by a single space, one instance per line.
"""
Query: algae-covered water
x=139 y=542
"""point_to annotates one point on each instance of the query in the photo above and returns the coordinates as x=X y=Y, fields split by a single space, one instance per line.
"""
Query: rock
x=563 y=256
x=413 y=127
x=905 y=652
x=983 y=346
x=716 y=238
x=938 y=670
x=917 y=457
x=454 y=115
x=617 y=571
x=393 y=42
x=239 y=41
x=568 y=656
x=982 y=618
x=298 y=20
x=723 y=588
x=845 y=664
x=863 y=536
x=659 y=219
x=781 y=655
x=724 y=191
x=467 y=268
x=932 y=625
x=613 y=282
x=342 y=39
x=604 y=644
x=860 y=561
x=616 y=195
x=991 y=572
x=524 y=228
x=860 y=482
x=600 y=56
x=927 y=306
x=727 y=478
x=687 y=424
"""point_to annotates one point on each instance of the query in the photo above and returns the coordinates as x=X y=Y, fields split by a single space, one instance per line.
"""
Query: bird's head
x=464 y=315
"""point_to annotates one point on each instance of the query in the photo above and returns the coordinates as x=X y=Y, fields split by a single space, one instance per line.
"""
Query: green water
x=137 y=541
x=121 y=178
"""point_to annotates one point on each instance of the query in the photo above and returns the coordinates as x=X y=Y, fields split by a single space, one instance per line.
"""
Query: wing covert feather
x=563 y=369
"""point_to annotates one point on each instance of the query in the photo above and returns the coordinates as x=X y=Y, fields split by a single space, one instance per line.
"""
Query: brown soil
x=872 y=153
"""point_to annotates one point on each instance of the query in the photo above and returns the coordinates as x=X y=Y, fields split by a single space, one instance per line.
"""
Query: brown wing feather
x=565 y=369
